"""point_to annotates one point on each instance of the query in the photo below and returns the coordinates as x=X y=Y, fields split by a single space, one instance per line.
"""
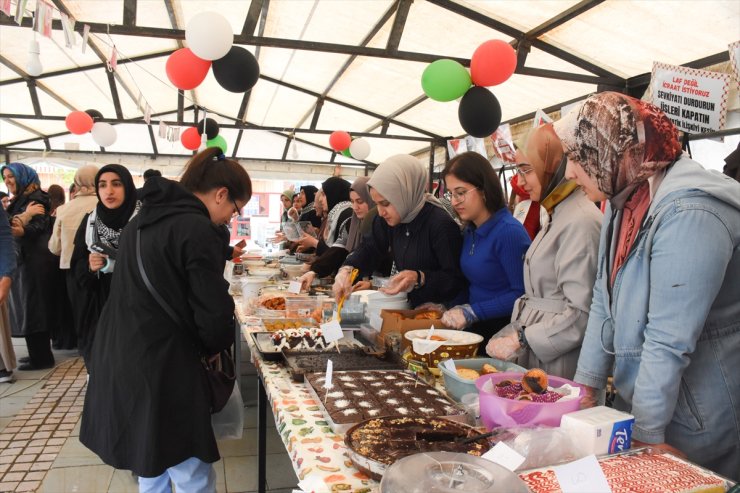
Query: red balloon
x=79 y=122
x=493 y=62
x=185 y=70
x=190 y=138
x=339 y=140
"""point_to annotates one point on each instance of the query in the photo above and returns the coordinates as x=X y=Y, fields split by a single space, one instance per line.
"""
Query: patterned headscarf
x=25 y=176
x=618 y=140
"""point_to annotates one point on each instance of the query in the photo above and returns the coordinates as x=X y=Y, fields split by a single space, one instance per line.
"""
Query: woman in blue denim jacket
x=665 y=316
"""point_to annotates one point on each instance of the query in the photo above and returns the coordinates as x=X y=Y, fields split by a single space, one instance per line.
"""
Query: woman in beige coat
x=549 y=321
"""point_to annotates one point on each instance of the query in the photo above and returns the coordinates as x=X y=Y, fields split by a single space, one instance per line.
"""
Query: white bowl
x=254 y=263
x=263 y=272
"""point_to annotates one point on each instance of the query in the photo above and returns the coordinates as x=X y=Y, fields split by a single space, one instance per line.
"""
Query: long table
x=317 y=454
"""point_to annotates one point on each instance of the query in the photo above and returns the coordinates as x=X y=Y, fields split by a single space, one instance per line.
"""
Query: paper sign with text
x=735 y=61
x=329 y=371
x=694 y=100
x=294 y=287
x=331 y=331
x=582 y=476
x=504 y=456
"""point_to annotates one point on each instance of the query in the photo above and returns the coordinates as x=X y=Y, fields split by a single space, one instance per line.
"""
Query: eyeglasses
x=523 y=172
x=457 y=196
x=237 y=210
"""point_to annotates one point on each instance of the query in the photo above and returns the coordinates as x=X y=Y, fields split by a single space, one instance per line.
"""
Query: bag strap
x=157 y=297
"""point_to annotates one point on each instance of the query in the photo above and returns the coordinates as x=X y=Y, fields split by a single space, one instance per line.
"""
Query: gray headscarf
x=359 y=186
x=85 y=179
x=402 y=180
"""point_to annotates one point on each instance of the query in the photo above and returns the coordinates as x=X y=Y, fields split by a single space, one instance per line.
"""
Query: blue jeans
x=190 y=476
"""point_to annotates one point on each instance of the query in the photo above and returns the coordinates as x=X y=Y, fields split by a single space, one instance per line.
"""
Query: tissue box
x=600 y=430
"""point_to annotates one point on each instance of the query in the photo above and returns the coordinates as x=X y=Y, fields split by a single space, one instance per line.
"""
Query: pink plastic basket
x=498 y=411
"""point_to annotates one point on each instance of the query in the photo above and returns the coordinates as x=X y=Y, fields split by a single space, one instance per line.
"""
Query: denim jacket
x=7 y=247
x=669 y=328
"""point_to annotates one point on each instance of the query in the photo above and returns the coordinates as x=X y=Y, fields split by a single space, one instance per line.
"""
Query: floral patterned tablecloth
x=316 y=452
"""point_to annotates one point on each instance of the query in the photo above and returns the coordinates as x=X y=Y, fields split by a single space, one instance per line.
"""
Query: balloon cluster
x=343 y=143
x=479 y=112
x=210 y=45
x=82 y=122
x=192 y=137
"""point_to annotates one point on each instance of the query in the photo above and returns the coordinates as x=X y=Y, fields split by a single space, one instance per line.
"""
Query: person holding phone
x=96 y=246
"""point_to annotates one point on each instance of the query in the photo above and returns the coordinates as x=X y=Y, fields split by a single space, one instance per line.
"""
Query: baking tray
x=300 y=363
x=263 y=341
x=341 y=428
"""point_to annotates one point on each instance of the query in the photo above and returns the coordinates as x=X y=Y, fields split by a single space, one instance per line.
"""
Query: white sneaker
x=6 y=376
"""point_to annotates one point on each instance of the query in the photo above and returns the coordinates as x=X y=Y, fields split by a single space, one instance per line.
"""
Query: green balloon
x=445 y=80
x=346 y=152
x=218 y=141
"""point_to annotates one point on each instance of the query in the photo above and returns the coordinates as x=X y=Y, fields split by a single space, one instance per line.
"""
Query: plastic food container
x=294 y=231
x=457 y=386
x=303 y=307
x=498 y=411
x=457 y=344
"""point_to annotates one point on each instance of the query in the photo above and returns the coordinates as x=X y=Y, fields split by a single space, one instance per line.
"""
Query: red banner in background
x=503 y=144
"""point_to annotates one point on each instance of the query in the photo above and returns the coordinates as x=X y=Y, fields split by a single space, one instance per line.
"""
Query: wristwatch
x=419 y=280
x=522 y=337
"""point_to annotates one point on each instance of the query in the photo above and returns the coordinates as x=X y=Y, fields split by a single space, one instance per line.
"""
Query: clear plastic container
x=303 y=307
x=457 y=386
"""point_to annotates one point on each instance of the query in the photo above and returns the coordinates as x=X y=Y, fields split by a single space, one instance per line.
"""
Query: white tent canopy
x=335 y=65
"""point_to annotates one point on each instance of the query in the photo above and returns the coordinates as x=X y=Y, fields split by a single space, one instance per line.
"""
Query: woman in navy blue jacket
x=494 y=245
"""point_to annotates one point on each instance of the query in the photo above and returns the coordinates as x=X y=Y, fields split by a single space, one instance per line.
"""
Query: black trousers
x=39 y=349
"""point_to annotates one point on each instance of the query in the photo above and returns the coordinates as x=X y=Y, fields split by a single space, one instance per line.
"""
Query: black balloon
x=95 y=115
x=211 y=128
x=238 y=71
x=479 y=112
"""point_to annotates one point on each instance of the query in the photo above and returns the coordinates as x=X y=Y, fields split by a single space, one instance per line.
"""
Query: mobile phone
x=241 y=243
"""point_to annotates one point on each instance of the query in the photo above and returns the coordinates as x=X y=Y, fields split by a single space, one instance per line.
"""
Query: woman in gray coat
x=549 y=321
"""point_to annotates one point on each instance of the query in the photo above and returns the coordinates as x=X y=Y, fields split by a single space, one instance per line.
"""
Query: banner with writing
x=694 y=100
x=735 y=60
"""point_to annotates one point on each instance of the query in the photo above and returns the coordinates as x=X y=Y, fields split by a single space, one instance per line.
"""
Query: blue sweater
x=492 y=260
x=7 y=247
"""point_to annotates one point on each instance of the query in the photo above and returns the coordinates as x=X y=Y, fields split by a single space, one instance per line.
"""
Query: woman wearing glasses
x=424 y=239
x=493 y=246
x=148 y=404
x=548 y=322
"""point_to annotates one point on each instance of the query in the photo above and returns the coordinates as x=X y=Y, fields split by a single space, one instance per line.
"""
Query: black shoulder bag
x=220 y=371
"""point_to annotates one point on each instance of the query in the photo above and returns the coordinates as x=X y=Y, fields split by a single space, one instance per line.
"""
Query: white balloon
x=104 y=134
x=209 y=35
x=359 y=149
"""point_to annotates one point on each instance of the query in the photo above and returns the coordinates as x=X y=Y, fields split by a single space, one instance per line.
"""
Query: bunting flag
x=503 y=143
x=42 y=18
x=540 y=118
x=20 y=11
x=163 y=130
x=6 y=7
x=113 y=60
x=474 y=144
x=148 y=114
x=85 y=35
x=68 y=27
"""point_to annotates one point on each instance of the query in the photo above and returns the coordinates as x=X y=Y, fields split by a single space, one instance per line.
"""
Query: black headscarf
x=336 y=190
x=117 y=218
x=310 y=192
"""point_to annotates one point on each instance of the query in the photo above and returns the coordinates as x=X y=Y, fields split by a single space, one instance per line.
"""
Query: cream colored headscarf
x=402 y=180
x=85 y=179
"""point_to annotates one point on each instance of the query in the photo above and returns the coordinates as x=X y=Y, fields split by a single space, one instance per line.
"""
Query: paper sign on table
x=329 y=370
x=331 y=331
x=312 y=485
x=294 y=287
x=582 y=476
x=504 y=456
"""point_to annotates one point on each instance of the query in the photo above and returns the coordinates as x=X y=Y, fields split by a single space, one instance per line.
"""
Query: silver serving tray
x=270 y=352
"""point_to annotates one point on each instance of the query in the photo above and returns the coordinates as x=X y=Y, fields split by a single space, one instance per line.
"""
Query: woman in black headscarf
x=308 y=213
x=346 y=224
x=96 y=244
